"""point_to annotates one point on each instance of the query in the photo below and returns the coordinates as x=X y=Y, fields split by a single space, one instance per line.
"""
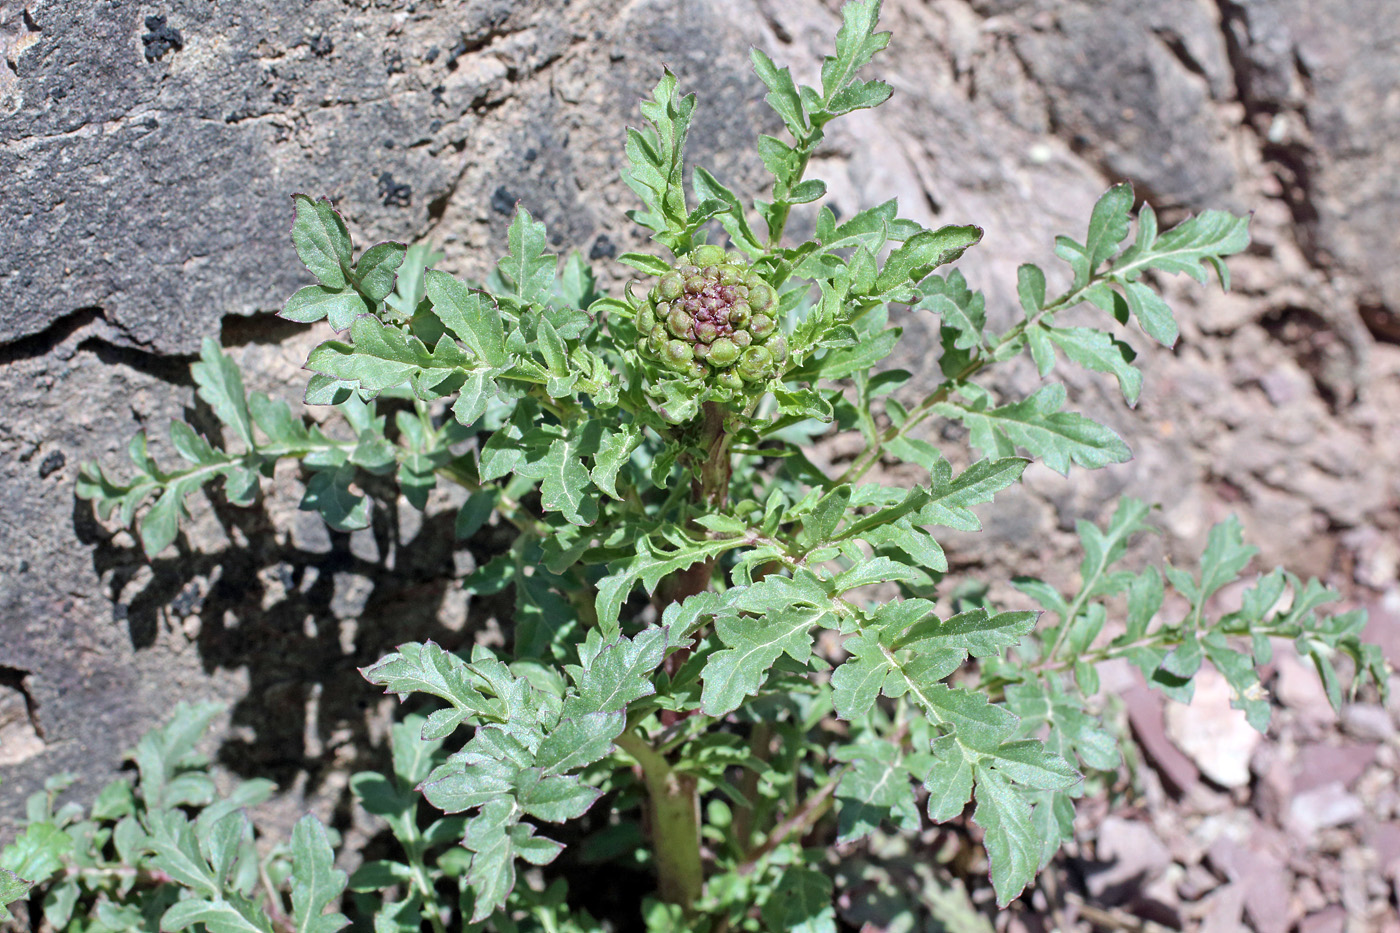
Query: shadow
x=300 y=614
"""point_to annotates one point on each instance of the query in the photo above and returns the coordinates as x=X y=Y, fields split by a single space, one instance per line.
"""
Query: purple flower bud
x=706 y=331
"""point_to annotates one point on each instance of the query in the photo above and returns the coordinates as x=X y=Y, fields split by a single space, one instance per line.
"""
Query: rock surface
x=146 y=158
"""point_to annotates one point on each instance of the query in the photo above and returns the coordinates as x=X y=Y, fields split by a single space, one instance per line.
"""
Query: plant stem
x=673 y=799
x=803 y=818
x=674 y=808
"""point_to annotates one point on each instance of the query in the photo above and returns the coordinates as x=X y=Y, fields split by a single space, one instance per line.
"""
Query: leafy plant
x=675 y=556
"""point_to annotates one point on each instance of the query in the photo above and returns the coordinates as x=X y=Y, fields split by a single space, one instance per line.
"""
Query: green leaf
x=177 y=853
x=384 y=357
x=218 y=915
x=527 y=267
x=733 y=219
x=221 y=387
x=949 y=783
x=919 y=255
x=655 y=156
x=784 y=610
x=427 y=668
x=321 y=240
x=492 y=872
x=1108 y=224
x=1097 y=350
x=1187 y=247
x=653 y=561
x=408 y=286
x=314 y=302
x=950 y=500
x=1037 y=424
x=472 y=316
x=1152 y=313
x=377 y=269
x=962 y=311
x=645 y=262
x=564 y=481
x=12 y=888
x=874 y=790
x=856 y=44
x=1009 y=834
x=316 y=882
x=1030 y=288
x=782 y=94
x=800 y=903
x=328 y=492
x=37 y=853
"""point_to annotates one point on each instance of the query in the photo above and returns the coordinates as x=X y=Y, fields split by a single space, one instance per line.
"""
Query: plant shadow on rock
x=301 y=617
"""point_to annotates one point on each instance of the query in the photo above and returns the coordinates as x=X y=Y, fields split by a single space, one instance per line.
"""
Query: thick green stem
x=674 y=807
x=673 y=799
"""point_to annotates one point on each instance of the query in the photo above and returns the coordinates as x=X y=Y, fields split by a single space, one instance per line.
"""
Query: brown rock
x=1262 y=875
x=1322 y=808
x=1149 y=728
x=1130 y=854
x=1215 y=735
x=1328 y=920
x=1320 y=764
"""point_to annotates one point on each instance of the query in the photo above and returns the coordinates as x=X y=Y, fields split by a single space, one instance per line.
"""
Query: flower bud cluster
x=713 y=318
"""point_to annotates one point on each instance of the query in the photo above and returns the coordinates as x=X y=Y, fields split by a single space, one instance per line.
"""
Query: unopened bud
x=723 y=352
x=756 y=364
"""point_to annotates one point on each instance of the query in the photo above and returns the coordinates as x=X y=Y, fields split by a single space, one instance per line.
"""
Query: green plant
x=674 y=555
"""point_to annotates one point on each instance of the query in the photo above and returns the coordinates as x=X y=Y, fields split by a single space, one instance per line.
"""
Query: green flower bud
x=706 y=332
x=761 y=326
x=739 y=313
x=671 y=286
x=678 y=323
x=658 y=338
x=723 y=352
x=762 y=297
x=646 y=319
x=741 y=338
x=730 y=379
x=756 y=364
x=778 y=347
x=696 y=283
x=678 y=353
x=697 y=369
x=731 y=275
x=707 y=255
x=753 y=280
